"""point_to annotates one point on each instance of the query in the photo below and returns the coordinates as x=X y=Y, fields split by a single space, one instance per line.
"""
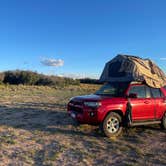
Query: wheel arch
x=115 y=111
x=104 y=125
x=164 y=114
x=163 y=121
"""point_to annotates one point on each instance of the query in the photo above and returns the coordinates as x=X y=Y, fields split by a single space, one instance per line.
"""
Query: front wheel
x=163 y=122
x=112 y=125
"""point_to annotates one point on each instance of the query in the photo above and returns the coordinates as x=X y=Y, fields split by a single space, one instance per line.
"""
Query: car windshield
x=115 y=89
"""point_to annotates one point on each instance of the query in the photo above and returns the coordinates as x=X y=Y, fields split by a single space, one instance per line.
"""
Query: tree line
x=17 y=77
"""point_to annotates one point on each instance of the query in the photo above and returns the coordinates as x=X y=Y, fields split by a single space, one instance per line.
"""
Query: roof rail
x=136 y=82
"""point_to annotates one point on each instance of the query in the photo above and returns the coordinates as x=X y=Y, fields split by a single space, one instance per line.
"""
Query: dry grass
x=36 y=130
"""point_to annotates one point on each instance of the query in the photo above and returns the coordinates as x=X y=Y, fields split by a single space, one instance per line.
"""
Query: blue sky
x=79 y=36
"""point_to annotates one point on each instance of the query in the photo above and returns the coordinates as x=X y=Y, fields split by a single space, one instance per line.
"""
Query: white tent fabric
x=127 y=68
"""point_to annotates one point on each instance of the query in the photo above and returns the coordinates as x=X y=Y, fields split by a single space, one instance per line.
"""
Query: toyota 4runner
x=119 y=104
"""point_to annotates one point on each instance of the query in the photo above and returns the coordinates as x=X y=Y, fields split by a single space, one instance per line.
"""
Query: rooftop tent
x=127 y=68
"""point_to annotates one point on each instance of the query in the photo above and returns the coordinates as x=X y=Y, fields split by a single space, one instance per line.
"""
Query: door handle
x=146 y=102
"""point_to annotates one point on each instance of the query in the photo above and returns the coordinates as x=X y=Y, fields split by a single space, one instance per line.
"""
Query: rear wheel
x=163 y=122
x=112 y=125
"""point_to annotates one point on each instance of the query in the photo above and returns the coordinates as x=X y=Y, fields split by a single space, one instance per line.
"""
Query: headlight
x=92 y=104
x=71 y=99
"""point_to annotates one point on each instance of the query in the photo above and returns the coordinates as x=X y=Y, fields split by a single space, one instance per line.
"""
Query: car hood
x=91 y=97
x=88 y=98
x=103 y=99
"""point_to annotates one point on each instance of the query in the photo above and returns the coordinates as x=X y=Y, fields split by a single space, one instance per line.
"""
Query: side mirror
x=133 y=95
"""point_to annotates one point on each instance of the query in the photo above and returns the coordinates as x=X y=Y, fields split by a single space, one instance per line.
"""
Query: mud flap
x=128 y=114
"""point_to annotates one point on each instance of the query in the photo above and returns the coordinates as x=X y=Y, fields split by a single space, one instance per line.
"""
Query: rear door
x=160 y=102
x=143 y=107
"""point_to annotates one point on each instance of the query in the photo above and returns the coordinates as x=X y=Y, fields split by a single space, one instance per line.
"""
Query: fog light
x=92 y=114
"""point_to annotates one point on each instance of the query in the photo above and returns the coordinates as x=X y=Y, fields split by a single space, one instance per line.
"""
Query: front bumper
x=83 y=114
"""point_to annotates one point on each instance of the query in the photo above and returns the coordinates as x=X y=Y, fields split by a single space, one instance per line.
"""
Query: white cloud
x=52 y=62
x=163 y=59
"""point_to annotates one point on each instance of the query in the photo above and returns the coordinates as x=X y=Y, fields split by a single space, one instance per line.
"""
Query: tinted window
x=148 y=92
x=139 y=90
x=156 y=93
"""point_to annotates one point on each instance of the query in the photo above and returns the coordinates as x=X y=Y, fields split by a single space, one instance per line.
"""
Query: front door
x=143 y=106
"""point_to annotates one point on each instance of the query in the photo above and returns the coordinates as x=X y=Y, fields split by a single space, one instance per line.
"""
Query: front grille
x=79 y=103
x=76 y=106
x=76 y=109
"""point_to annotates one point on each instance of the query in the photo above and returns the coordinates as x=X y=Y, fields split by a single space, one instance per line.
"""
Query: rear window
x=156 y=93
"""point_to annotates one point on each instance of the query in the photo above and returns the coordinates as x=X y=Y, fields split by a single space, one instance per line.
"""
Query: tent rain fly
x=127 y=68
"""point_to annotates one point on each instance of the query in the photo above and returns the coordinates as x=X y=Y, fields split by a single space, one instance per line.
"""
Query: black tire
x=163 y=122
x=112 y=125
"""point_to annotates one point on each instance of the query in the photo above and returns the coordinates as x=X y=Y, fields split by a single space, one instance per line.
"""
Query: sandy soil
x=36 y=130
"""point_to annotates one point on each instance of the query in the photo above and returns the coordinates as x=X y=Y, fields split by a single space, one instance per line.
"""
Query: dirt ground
x=36 y=130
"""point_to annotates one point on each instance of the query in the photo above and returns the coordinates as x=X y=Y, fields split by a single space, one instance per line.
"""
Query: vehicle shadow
x=46 y=117
x=49 y=117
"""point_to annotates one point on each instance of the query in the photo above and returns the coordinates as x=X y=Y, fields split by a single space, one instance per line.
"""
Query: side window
x=148 y=92
x=139 y=90
x=156 y=93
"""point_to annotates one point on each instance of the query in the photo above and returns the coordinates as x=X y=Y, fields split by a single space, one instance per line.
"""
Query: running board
x=145 y=123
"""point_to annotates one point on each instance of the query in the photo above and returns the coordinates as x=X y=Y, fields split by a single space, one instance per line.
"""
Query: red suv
x=120 y=104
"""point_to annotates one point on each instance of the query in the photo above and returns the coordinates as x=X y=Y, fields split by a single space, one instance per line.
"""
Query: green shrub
x=33 y=78
x=1 y=78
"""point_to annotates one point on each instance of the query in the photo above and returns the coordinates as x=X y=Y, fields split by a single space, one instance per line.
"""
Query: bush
x=1 y=78
x=33 y=78
x=20 y=77
x=89 y=81
x=28 y=77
